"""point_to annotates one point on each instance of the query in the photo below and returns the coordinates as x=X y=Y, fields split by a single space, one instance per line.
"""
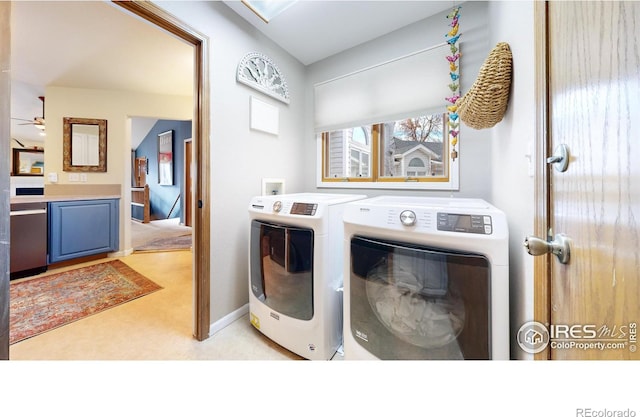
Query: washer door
x=414 y=302
x=282 y=268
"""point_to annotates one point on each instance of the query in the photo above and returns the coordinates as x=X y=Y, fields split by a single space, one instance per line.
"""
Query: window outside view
x=413 y=147
x=407 y=148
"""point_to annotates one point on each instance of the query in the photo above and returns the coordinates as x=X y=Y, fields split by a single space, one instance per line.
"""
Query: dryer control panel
x=465 y=223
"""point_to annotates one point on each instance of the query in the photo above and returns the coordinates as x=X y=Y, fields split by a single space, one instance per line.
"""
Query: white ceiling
x=313 y=30
x=97 y=45
x=89 y=44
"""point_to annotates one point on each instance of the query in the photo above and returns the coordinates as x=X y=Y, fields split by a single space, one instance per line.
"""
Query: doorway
x=201 y=219
x=158 y=209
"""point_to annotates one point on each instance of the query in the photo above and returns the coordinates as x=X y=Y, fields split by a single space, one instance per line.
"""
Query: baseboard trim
x=228 y=319
x=120 y=254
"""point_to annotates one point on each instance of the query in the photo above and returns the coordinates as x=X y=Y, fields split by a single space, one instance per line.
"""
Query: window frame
x=450 y=181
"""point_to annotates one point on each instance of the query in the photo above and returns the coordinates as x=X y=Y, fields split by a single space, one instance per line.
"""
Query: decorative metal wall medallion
x=260 y=72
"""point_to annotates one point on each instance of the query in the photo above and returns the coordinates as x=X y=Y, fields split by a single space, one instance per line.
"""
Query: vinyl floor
x=157 y=326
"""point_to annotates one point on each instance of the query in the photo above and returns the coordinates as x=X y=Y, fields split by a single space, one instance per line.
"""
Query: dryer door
x=415 y=302
x=282 y=268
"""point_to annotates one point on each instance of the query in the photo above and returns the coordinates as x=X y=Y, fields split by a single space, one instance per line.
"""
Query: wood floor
x=154 y=327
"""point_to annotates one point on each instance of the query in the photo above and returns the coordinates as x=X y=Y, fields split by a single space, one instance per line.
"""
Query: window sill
x=451 y=185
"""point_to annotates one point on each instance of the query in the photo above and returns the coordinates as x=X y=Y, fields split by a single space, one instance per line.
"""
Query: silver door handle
x=560 y=158
x=559 y=246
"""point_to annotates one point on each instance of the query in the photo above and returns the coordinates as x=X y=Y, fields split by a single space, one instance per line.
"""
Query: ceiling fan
x=38 y=122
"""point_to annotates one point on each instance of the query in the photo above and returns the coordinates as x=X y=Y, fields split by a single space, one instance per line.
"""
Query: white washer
x=425 y=278
x=295 y=270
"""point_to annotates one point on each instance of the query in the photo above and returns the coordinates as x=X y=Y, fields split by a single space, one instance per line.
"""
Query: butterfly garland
x=452 y=108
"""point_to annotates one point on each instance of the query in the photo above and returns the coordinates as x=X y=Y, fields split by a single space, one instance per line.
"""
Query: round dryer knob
x=277 y=206
x=408 y=218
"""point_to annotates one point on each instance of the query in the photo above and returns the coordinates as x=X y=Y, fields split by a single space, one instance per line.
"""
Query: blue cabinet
x=82 y=228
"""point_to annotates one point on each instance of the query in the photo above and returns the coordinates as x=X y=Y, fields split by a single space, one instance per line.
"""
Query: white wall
x=493 y=166
x=117 y=107
x=512 y=139
x=474 y=146
x=240 y=157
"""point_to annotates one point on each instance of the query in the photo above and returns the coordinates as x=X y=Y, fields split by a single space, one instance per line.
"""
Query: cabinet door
x=82 y=228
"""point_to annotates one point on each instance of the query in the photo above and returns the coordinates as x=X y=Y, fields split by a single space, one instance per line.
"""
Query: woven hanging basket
x=485 y=103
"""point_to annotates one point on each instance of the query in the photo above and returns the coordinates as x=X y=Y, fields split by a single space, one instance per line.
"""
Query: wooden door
x=140 y=172
x=594 y=108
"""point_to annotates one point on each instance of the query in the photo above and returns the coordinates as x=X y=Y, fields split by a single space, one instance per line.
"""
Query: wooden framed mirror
x=84 y=145
x=28 y=162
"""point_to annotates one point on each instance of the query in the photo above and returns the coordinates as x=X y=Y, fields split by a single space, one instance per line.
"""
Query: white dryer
x=295 y=270
x=425 y=278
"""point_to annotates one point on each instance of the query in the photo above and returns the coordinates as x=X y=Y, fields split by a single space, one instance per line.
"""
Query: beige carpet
x=166 y=234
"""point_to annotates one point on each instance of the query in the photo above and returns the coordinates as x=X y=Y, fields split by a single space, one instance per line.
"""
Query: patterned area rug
x=160 y=235
x=41 y=304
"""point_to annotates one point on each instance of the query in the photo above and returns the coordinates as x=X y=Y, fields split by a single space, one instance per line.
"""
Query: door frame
x=5 y=117
x=542 y=209
x=201 y=129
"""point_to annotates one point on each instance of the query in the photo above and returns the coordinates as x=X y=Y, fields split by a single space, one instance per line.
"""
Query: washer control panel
x=465 y=223
x=408 y=217
x=304 y=209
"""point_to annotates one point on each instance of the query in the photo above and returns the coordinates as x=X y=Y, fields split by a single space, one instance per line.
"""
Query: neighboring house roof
x=405 y=146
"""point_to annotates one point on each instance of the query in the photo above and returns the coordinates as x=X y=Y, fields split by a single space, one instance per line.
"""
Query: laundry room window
x=410 y=152
x=382 y=125
x=349 y=153
x=413 y=149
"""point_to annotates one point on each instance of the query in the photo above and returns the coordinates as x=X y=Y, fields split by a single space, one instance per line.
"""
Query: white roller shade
x=405 y=86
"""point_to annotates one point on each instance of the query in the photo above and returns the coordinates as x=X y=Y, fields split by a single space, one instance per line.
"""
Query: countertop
x=50 y=198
